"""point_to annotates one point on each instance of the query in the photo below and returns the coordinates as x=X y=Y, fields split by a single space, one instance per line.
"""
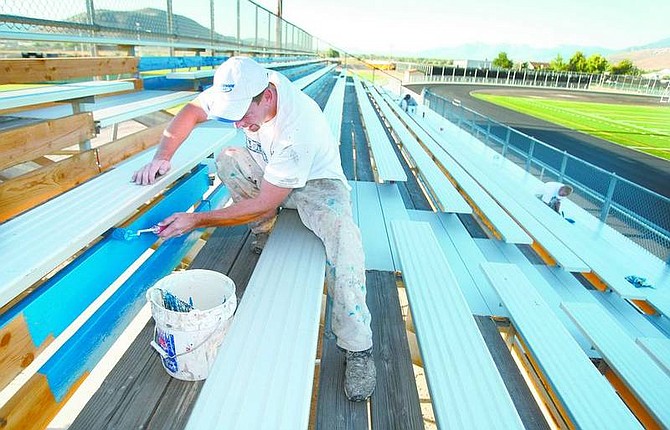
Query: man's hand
x=177 y=224
x=148 y=174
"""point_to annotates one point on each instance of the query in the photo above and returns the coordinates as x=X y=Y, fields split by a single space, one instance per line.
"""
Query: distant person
x=408 y=104
x=553 y=193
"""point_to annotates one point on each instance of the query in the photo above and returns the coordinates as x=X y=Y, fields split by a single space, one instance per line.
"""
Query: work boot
x=360 y=375
x=259 y=241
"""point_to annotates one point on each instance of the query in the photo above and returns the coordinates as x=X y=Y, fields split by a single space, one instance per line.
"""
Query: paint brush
x=125 y=234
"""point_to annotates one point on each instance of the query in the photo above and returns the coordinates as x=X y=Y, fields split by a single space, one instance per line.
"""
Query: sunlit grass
x=643 y=128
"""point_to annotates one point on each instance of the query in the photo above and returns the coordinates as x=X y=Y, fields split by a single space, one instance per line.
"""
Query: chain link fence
x=415 y=73
x=201 y=24
x=638 y=213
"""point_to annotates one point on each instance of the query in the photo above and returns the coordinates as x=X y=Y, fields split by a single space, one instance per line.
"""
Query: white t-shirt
x=550 y=191
x=297 y=145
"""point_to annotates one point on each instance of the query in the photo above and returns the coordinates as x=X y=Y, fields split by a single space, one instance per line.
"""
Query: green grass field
x=643 y=128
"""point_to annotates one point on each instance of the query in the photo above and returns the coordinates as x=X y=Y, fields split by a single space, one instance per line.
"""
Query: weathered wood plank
x=36 y=413
x=26 y=191
x=126 y=397
x=525 y=404
x=22 y=144
x=121 y=401
x=30 y=70
x=17 y=349
x=112 y=153
x=334 y=411
x=395 y=402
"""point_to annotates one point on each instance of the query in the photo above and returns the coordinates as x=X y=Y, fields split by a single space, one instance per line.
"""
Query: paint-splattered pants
x=324 y=206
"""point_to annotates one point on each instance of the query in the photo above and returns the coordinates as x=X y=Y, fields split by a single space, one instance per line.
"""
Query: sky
x=400 y=26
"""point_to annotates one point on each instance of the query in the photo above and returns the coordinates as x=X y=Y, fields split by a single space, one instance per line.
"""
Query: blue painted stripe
x=161 y=63
x=85 y=348
x=59 y=301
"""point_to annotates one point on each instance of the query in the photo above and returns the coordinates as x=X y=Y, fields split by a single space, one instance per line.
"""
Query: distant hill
x=651 y=57
x=150 y=20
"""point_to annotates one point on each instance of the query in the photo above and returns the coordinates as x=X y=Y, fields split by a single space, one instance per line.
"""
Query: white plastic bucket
x=189 y=341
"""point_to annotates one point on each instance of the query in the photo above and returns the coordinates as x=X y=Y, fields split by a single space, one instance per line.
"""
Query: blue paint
x=166 y=342
x=87 y=346
x=77 y=285
x=162 y=63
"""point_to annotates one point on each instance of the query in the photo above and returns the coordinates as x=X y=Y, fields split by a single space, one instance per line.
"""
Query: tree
x=596 y=63
x=577 y=63
x=557 y=64
x=331 y=53
x=502 y=61
x=625 y=67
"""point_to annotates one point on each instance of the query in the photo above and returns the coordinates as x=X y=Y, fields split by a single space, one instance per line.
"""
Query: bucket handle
x=164 y=353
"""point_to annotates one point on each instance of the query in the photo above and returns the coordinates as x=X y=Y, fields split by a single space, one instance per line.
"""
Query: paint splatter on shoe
x=360 y=375
x=259 y=241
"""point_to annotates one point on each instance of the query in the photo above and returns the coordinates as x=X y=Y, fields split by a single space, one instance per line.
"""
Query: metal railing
x=638 y=213
x=222 y=25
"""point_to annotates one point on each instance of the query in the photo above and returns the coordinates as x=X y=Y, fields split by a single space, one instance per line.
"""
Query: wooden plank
x=465 y=387
x=523 y=399
x=334 y=410
x=42 y=406
x=501 y=252
x=226 y=251
x=660 y=302
x=59 y=93
x=17 y=348
x=280 y=313
x=30 y=70
x=27 y=143
x=483 y=204
x=443 y=191
x=637 y=370
x=395 y=402
x=387 y=165
x=22 y=240
x=374 y=235
x=112 y=404
x=583 y=395
x=659 y=349
x=117 y=113
x=29 y=190
x=112 y=153
x=464 y=258
x=335 y=106
x=305 y=81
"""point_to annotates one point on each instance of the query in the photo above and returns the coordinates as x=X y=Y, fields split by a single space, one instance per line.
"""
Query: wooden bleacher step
x=267 y=358
x=387 y=165
x=585 y=399
x=443 y=191
x=465 y=387
x=636 y=369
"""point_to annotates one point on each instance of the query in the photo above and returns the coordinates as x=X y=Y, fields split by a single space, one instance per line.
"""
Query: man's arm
x=173 y=136
x=269 y=198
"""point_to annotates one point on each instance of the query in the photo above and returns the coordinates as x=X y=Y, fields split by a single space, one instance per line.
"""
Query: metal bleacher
x=488 y=309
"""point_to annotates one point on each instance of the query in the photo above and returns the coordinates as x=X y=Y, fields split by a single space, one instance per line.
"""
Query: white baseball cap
x=236 y=82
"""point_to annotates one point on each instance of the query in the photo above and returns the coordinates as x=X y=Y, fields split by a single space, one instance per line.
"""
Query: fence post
x=530 y=154
x=488 y=129
x=507 y=136
x=90 y=15
x=564 y=164
x=608 y=199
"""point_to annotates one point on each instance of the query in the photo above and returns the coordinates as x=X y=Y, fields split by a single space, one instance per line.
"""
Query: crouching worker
x=553 y=193
x=291 y=160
